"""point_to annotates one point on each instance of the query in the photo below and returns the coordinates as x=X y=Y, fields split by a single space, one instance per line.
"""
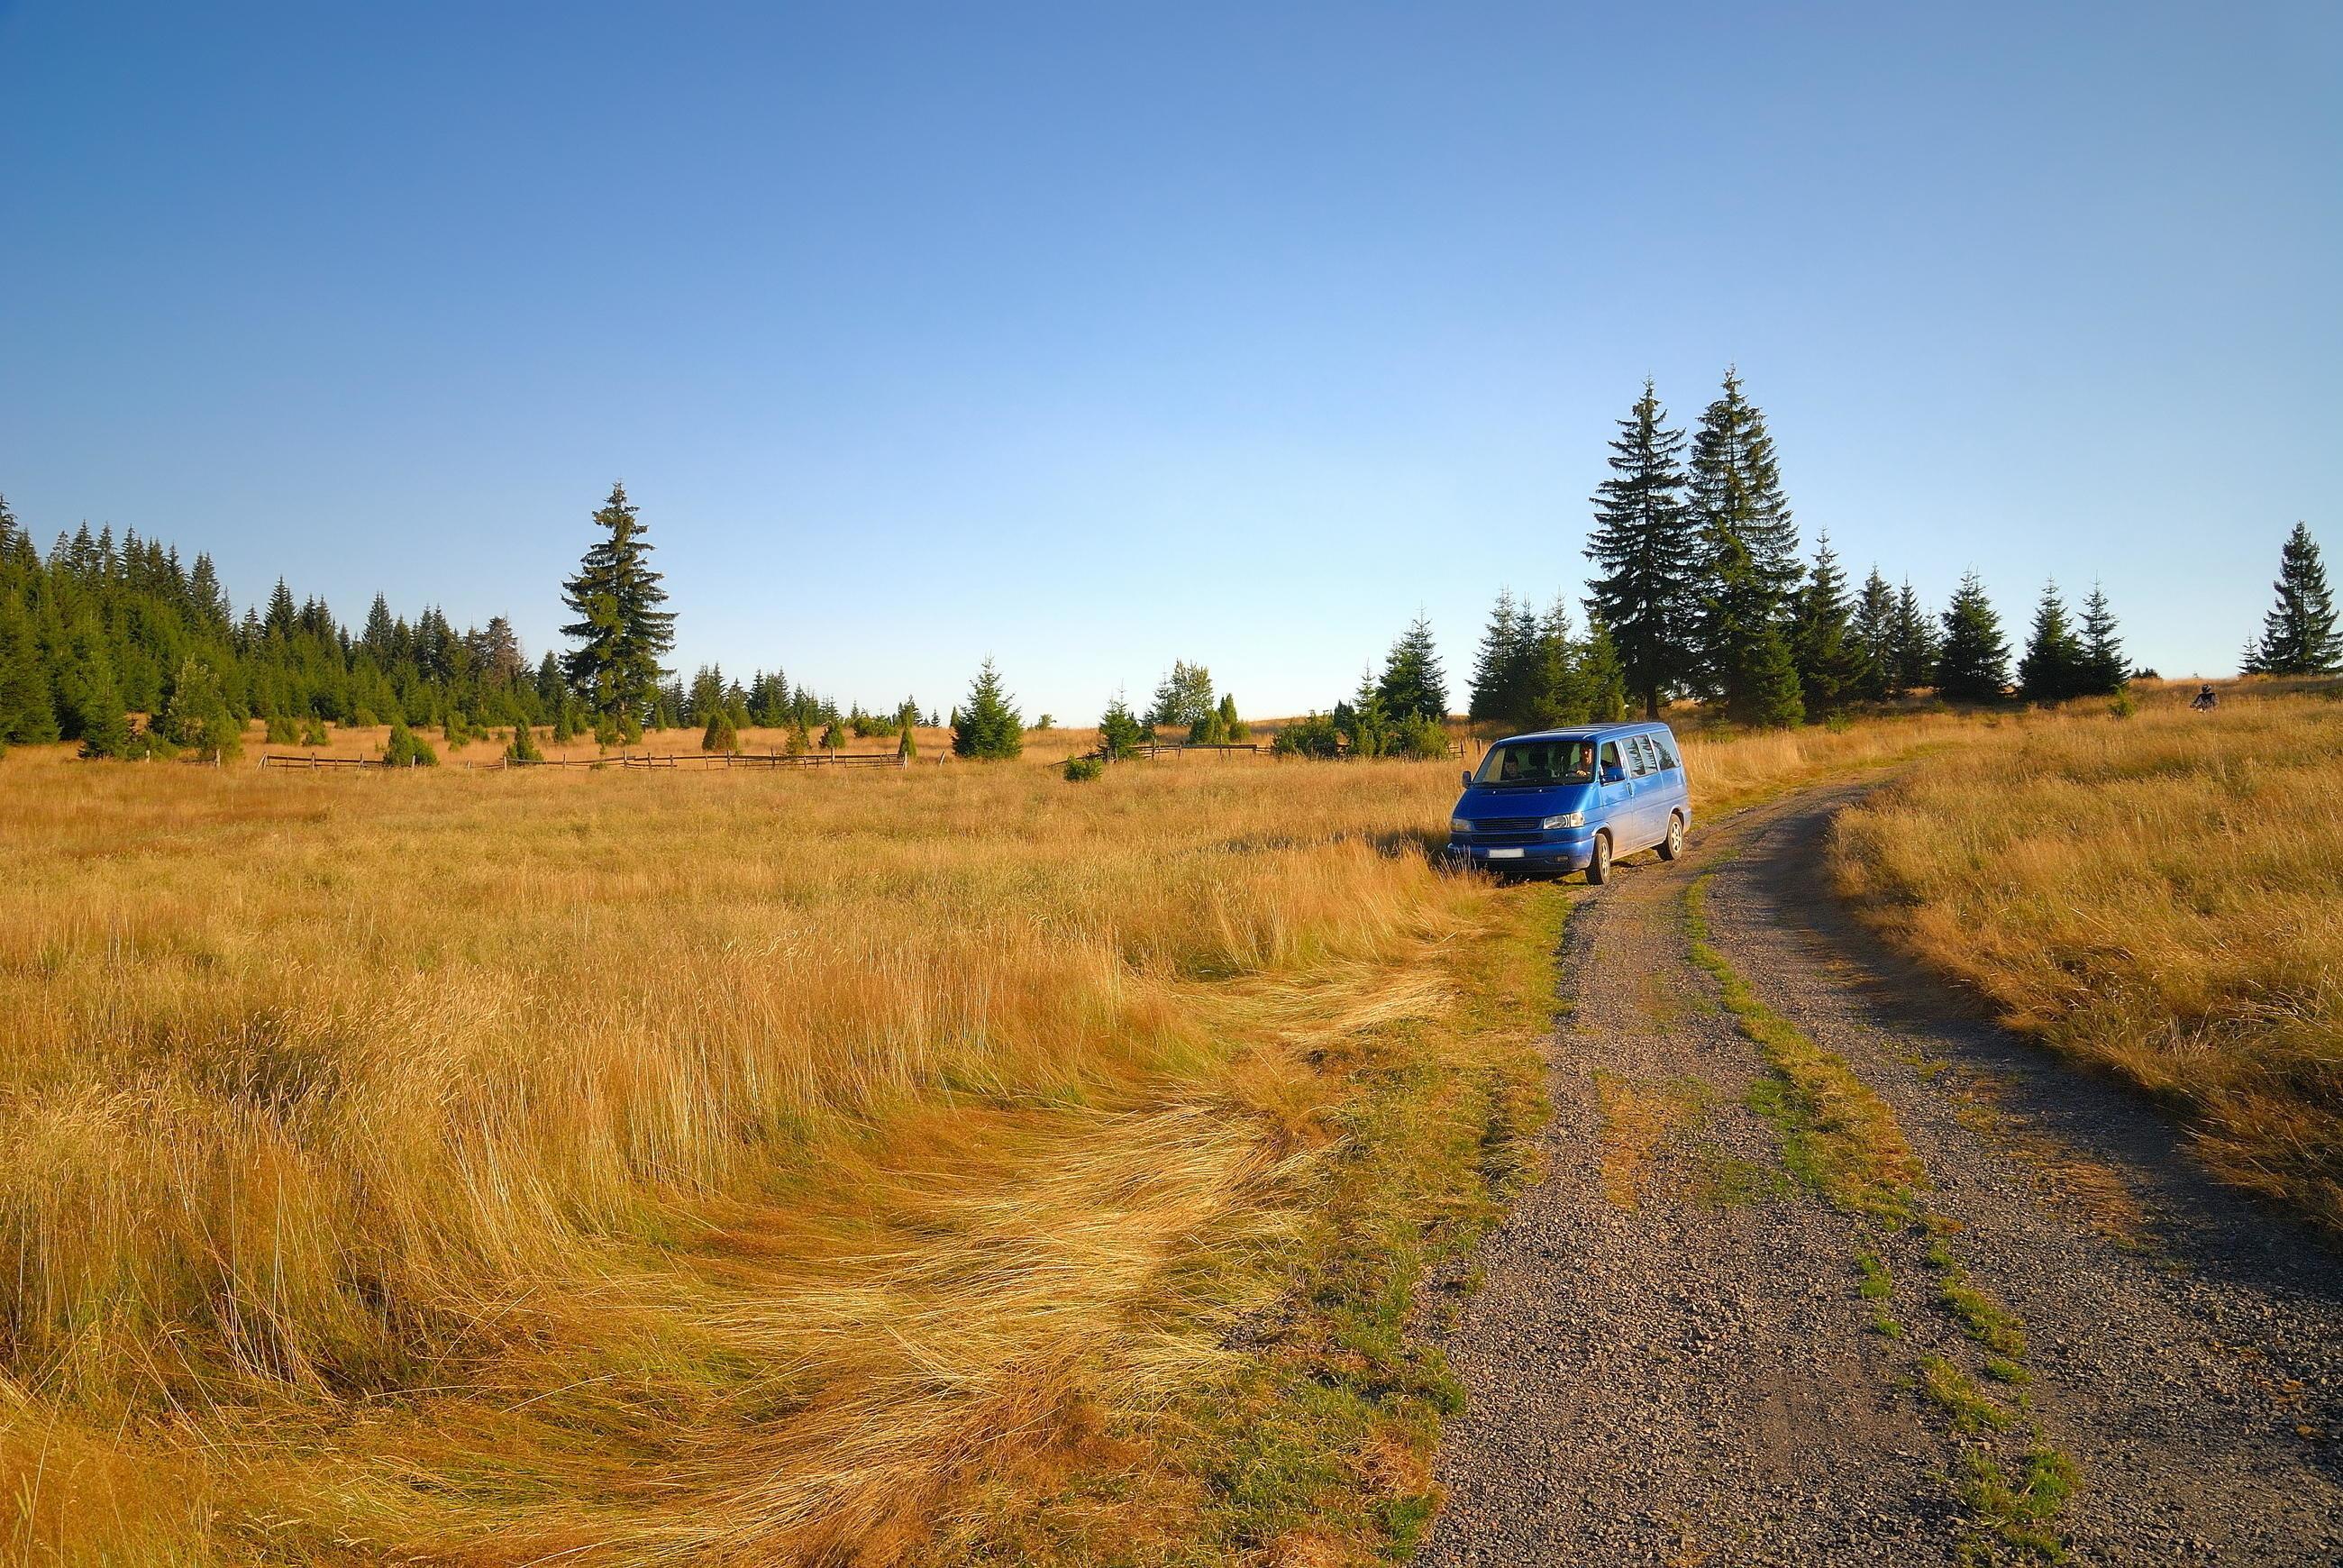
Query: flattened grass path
x=1734 y=1365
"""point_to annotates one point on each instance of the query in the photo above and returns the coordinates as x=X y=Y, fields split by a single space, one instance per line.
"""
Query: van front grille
x=1508 y=825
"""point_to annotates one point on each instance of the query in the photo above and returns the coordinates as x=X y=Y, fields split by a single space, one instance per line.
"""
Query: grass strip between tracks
x=1842 y=1141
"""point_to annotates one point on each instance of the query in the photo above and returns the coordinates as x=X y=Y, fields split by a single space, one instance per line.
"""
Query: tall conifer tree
x=1647 y=556
x=2298 y=635
x=2051 y=669
x=1911 y=663
x=621 y=632
x=1829 y=664
x=1747 y=541
x=1873 y=631
x=1973 y=664
x=2105 y=669
x=1503 y=665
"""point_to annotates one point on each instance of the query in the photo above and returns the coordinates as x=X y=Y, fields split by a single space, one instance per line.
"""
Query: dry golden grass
x=2162 y=895
x=487 y=1167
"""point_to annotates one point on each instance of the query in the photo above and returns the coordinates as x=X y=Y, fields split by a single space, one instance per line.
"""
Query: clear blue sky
x=1091 y=336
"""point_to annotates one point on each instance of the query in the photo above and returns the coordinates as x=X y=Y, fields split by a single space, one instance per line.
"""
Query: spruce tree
x=721 y=734
x=1365 y=721
x=1874 y=630
x=1505 y=666
x=2105 y=671
x=1914 y=647
x=2298 y=635
x=987 y=724
x=1120 y=734
x=1233 y=731
x=1604 y=678
x=1749 y=571
x=1829 y=664
x=1973 y=663
x=523 y=746
x=1647 y=556
x=1413 y=685
x=2051 y=669
x=621 y=632
x=1748 y=653
x=1556 y=684
x=28 y=712
x=111 y=738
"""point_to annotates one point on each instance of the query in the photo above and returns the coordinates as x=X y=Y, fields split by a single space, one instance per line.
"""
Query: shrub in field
x=1082 y=770
x=523 y=745
x=405 y=748
x=279 y=731
x=197 y=718
x=721 y=734
x=313 y=733
x=1419 y=738
x=111 y=738
x=1311 y=736
x=833 y=736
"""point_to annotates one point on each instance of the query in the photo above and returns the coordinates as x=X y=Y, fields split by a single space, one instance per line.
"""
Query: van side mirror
x=1468 y=778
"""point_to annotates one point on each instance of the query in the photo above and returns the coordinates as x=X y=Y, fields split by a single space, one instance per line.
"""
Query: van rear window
x=1533 y=762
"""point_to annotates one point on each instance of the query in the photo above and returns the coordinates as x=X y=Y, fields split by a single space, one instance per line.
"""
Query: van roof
x=1586 y=731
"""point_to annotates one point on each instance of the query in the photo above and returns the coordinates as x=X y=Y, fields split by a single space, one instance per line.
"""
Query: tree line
x=98 y=630
x=1699 y=590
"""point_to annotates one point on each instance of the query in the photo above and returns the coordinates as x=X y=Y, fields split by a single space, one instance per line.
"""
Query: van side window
x=1639 y=757
x=1611 y=760
x=1667 y=757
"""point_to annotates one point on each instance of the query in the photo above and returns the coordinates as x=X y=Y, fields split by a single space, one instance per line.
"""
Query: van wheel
x=1673 y=845
x=1598 y=870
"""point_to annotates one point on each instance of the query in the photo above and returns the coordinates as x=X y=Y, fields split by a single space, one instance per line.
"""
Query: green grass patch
x=1838 y=1137
x=1957 y=1393
x=2016 y=1517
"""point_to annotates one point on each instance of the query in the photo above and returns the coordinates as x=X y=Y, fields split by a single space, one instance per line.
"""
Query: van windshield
x=1538 y=763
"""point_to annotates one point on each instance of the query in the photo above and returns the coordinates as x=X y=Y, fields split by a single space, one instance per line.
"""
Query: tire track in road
x=1673 y=1358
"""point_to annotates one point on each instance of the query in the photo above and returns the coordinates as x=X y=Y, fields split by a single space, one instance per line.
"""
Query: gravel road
x=1670 y=1358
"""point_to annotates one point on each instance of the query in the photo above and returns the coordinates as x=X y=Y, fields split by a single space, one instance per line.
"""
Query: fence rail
x=774 y=760
x=1174 y=748
x=704 y=759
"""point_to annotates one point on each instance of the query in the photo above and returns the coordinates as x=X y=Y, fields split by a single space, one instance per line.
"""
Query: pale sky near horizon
x=1093 y=336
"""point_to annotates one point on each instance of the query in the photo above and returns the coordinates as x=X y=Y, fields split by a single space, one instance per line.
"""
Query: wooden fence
x=772 y=759
x=702 y=760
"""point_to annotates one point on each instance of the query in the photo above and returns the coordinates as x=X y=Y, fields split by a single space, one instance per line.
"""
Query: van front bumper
x=1566 y=850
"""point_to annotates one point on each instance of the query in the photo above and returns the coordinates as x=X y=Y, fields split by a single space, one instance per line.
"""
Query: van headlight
x=1567 y=820
x=1459 y=828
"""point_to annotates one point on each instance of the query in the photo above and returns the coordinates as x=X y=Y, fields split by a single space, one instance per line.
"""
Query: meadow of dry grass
x=489 y=1167
x=2161 y=895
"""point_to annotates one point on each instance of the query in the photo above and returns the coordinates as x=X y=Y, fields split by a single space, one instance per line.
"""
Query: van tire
x=1673 y=845
x=1598 y=870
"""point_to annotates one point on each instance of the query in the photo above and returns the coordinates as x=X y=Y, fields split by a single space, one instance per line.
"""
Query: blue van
x=1567 y=800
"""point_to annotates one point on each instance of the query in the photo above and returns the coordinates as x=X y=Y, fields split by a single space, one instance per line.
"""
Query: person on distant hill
x=2204 y=697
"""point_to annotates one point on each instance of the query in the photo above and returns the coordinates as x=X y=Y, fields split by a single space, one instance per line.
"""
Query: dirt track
x=1671 y=1361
